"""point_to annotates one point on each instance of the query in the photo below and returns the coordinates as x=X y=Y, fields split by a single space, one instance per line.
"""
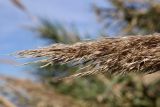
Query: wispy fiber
x=140 y=54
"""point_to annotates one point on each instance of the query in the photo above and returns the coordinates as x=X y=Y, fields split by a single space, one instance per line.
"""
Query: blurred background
x=16 y=25
x=30 y=24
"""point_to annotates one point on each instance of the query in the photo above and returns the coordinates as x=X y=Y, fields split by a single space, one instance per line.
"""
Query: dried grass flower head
x=119 y=55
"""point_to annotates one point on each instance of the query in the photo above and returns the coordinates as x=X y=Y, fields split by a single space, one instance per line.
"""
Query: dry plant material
x=5 y=102
x=18 y=4
x=21 y=6
x=29 y=93
x=140 y=54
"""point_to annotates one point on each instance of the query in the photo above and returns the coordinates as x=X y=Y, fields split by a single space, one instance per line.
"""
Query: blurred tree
x=131 y=16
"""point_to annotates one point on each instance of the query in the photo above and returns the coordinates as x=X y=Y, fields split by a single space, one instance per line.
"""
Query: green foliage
x=57 y=32
x=132 y=93
x=132 y=16
x=127 y=91
x=85 y=89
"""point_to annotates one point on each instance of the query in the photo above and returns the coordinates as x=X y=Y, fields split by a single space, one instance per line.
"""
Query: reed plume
x=121 y=55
